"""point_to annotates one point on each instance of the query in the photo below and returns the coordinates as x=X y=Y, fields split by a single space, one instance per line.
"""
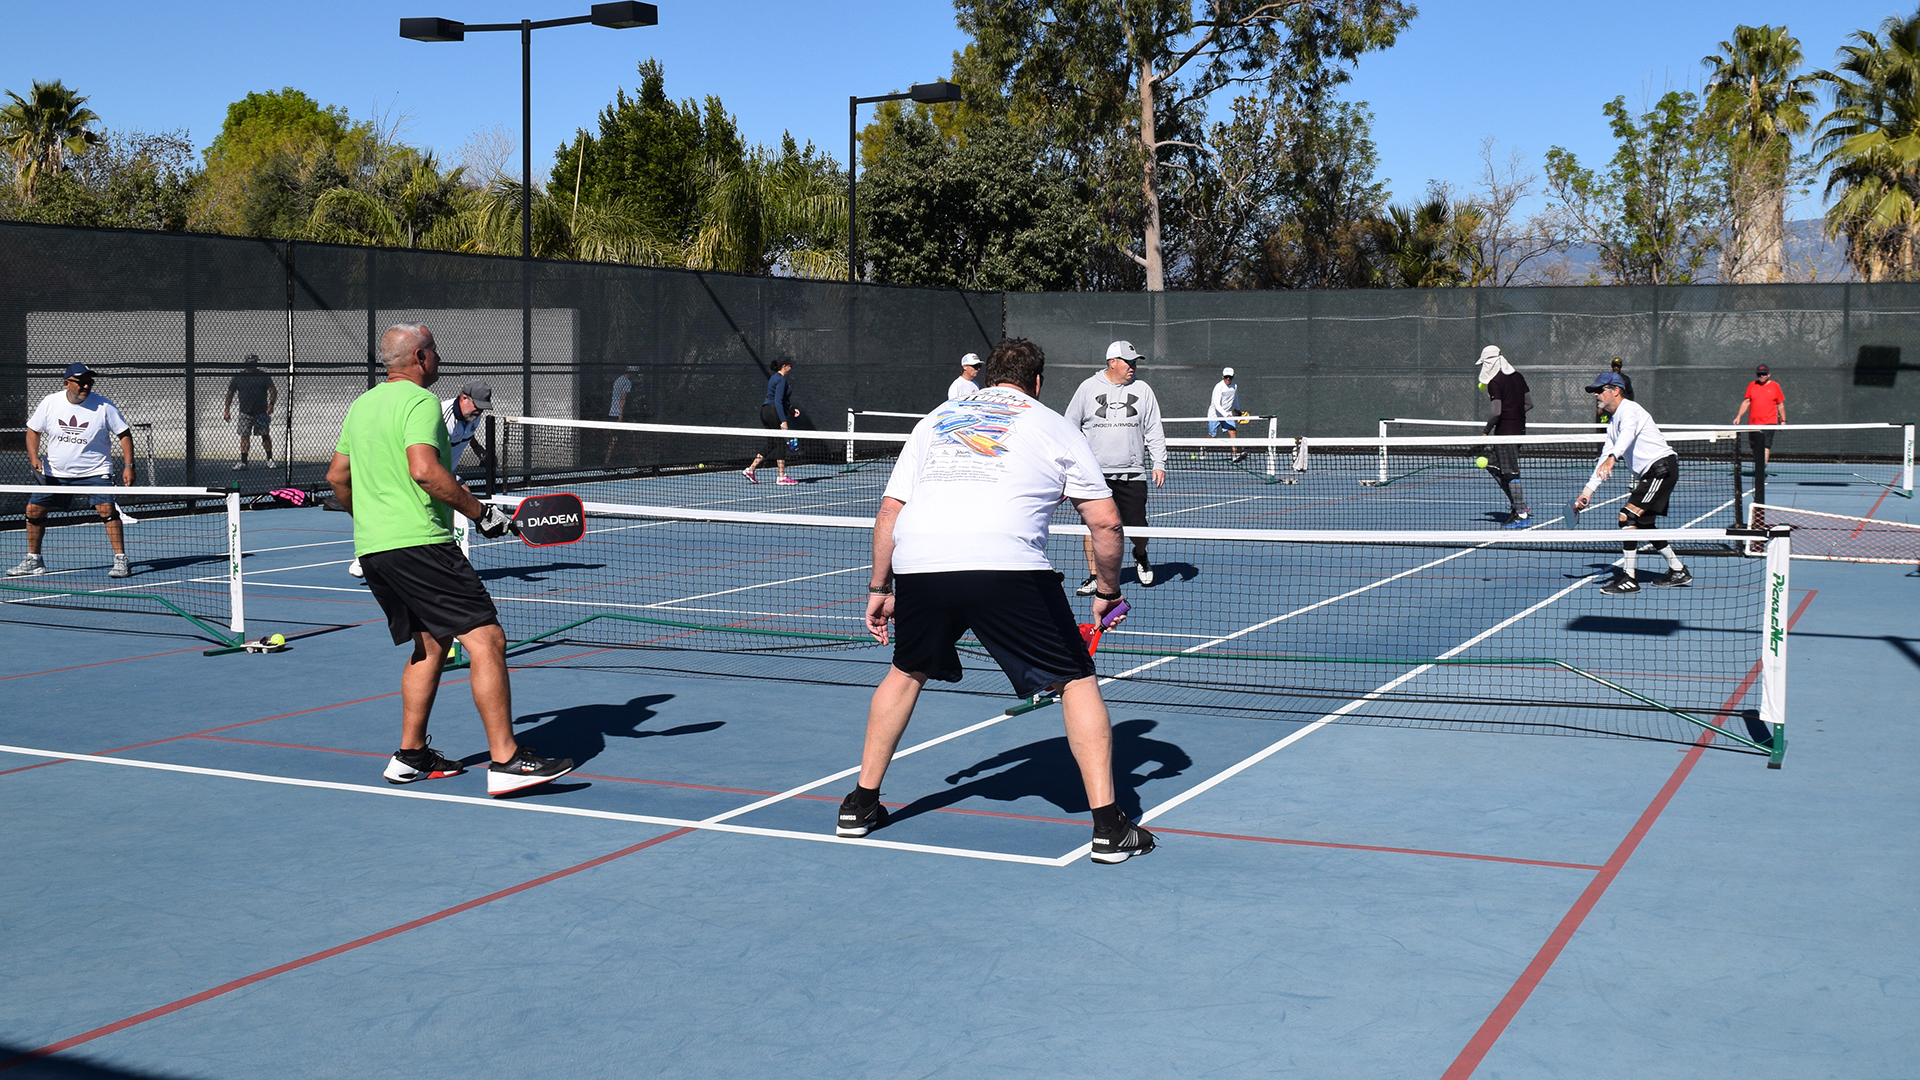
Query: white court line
x=712 y=825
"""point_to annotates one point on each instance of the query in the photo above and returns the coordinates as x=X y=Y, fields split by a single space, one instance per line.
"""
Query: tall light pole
x=618 y=16
x=932 y=93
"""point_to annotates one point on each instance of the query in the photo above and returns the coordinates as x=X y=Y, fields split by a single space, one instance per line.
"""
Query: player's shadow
x=1163 y=572
x=581 y=732
x=539 y=572
x=1046 y=769
x=66 y=1068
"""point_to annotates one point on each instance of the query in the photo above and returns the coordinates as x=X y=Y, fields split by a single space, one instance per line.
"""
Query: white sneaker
x=1144 y=573
x=239 y=466
x=270 y=465
x=121 y=567
x=31 y=566
x=355 y=570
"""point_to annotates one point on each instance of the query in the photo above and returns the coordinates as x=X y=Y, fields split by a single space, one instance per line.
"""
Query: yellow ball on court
x=277 y=640
x=1479 y=463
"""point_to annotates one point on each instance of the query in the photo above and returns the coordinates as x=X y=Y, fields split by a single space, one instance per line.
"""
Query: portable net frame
x=1301 y=483
x=183 y=545
x=1843 y=538
x=1492 y=631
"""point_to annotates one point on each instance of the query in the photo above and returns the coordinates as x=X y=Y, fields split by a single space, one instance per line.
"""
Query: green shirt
x=390 y=510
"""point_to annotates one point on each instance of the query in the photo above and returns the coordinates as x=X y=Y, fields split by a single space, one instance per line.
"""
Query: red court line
x=1855 y=534
x=101 y=663
x=1496 y=1024
x=292 y=965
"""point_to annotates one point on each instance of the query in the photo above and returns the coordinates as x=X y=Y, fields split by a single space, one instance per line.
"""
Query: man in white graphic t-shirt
x=75 y=427
x=968 y=383
x=960 y=543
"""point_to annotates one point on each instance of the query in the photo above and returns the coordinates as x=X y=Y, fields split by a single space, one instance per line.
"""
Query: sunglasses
x=80 y=382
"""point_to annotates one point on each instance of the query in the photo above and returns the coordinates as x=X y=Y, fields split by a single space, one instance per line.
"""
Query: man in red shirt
x=1769 y=405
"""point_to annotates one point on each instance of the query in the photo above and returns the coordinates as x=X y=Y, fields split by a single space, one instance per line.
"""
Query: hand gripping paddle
x=546 y=520
x=1090 y=633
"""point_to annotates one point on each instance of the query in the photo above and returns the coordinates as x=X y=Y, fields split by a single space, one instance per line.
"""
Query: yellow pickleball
x=277 y=640
x=1479 y=463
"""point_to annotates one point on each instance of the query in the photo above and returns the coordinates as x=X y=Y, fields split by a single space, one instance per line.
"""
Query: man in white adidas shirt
x=1120 y=416
x=960 y=543
x=1633 y=437
x=76 y=427
x=968 y=383
x=1223 y=410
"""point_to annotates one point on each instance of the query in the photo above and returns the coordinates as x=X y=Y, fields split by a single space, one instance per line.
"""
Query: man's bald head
x=408 y=352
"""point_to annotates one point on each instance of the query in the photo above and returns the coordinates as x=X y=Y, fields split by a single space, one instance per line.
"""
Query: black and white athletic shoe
x=1087 y=587
x=1517 y=519
x=526 y=770
x=1622 y=585
x=1120 y=846
x=426 y=763
x=1144 y=572
x=857 y=822
x=1673 y=579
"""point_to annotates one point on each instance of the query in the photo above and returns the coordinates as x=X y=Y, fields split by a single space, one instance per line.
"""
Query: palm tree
x=1430 y=245
x=765 y=212
x=42 y=129
x=1761 y=105
x=412 y=204
x=1872 y=139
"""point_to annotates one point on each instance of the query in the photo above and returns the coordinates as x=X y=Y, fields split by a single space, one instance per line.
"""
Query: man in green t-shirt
x=392 y=470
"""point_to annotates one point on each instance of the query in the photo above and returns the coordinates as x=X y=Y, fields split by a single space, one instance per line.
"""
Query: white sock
x=1626 y=562
x=1673 y=558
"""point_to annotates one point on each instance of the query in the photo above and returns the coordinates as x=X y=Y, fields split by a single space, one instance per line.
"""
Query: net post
x=1773 y=646
x=849 y=436
x=1906 y=470
x=493 y=453
x=236 y=591
x=1383 y=449
x=1273 y=452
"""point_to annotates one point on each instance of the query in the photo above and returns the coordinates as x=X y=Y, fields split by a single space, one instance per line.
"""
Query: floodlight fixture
x=933 y=93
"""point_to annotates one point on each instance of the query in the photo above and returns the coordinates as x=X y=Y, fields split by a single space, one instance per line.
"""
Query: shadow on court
x=65 y=1068
x=581 y=732
x=1163 y=571
x=1046 y=769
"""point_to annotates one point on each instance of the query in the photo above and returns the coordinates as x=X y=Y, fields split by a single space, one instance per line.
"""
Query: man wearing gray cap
x=1120 y=416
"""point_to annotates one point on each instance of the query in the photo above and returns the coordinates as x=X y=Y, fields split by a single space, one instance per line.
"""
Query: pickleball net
x=1489 y=631
x=1363 y=483
x=183 y=549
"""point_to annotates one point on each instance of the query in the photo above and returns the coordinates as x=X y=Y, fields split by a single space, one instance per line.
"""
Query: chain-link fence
x=168 y=322
x=1331 y=363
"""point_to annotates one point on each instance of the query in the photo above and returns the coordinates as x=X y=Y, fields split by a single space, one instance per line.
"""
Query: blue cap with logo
x=1606 y=379
x=79 y=371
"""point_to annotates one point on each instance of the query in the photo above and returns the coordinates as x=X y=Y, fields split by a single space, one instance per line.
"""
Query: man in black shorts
x=392 y=470
x=960 y=543
x=1633 y=437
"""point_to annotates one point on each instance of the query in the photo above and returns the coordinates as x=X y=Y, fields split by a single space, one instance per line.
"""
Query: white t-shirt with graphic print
x=980 y=478
x=77 y=439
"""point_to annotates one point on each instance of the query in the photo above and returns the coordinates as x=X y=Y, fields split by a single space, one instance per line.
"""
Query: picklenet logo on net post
x=1776 y=628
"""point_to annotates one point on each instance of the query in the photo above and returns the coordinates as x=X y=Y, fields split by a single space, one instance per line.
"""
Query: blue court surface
x=208 y=877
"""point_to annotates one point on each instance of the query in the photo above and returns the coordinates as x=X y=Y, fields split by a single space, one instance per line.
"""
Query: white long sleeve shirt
x=1633 y=439
x=1226 y=399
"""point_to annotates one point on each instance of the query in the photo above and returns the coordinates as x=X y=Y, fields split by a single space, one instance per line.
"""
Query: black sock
x=864 y=797
x=1106 y=818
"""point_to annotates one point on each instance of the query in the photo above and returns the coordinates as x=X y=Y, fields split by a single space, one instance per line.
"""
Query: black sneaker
x=1673 y=579
x=1087 y=587
x=1623 y=585
x=1517 y=519
x=1118 y=847
x=526 y=770
x=426 y=763
x=857 y=822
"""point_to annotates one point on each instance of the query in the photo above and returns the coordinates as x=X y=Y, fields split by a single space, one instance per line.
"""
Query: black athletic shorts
x=1651 y=489
x=1021 y=616
x=777 y=446
x=431 y=587
x=1760 y=441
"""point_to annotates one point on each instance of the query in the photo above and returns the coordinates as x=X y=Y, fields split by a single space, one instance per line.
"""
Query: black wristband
x=1098 y=595
x=879 y=590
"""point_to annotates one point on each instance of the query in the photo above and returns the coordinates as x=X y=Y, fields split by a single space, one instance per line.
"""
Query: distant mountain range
x=1810 y=256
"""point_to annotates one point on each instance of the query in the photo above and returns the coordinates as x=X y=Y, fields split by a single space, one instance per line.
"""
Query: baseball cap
x=1226 y=371
x=479 y=393
x=1124 y=350
x=78 y=371
x=1616 y=363
x=251 y=360
x=1761 y=370
x=1606 y=379
x=970 y=360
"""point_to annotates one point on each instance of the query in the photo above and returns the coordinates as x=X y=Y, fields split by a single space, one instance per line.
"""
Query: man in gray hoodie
x=1120 y=416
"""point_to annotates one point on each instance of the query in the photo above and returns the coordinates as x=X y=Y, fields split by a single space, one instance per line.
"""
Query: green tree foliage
x=1753 y=94
x=1118 y=84
x=1657 y=214
x=997 y=211
x=128 y=180
x=276 y=154
x=410 y=202
x=1872 y=144
x=1329 y=197
x=42 y=130
x=652 y=156
x=1429 y=245
x=768 y=212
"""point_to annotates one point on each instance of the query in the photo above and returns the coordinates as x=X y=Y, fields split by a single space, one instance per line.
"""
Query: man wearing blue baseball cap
x=1633 y=437
x=76 y=427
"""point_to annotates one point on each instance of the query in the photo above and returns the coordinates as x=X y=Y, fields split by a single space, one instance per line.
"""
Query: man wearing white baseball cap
x=1120 y=416
x=968 y=384
x=1223 y=410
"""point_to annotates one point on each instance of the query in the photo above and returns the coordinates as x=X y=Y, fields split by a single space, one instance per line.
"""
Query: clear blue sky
x=1533 y=74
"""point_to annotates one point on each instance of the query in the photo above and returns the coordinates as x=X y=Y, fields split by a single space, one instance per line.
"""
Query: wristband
x=1105 y=596
x=880 y=590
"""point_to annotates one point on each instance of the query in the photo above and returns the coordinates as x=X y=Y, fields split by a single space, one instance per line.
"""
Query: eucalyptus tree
x=1872 y=144
x=1753 y=93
